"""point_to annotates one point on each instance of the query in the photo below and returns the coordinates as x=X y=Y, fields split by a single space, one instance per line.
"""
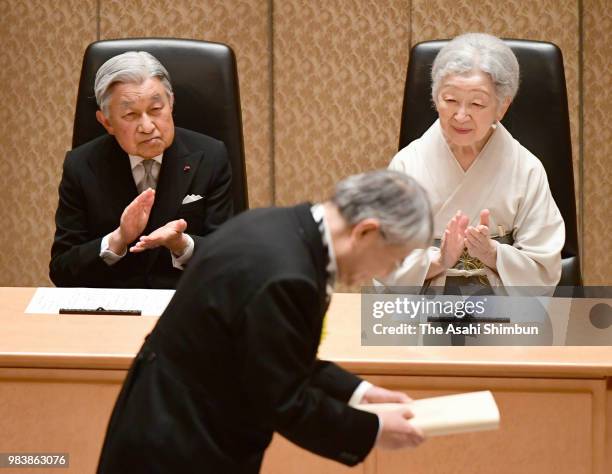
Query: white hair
x=398 y=202
x=133 y=67
x=477 y=52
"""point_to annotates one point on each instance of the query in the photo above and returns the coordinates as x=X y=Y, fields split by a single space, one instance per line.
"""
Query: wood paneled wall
x=321 y=88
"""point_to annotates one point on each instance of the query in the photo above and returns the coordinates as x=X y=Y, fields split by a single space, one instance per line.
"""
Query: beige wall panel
x=339 y=70
x=242 y=24
x=40 y=61
x=597 y=27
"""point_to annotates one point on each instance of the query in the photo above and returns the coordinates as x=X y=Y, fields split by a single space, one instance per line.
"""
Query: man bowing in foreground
x=234 y=356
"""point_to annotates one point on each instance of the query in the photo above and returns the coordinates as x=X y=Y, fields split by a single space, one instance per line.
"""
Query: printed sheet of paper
x=450 y=414
x=50 y=300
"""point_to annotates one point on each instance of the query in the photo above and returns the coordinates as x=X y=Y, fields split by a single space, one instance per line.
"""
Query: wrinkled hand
x=170 y=236
x=397 y=432
x=133 y=221
x=453 y=240
x=478 y=243
x=381 y=395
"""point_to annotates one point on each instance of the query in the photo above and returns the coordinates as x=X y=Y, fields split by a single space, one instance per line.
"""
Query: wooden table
x=59 y=377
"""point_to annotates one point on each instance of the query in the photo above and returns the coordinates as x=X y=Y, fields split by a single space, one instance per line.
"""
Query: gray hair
x=398 y=202
x=133 y=67
x=478 y=51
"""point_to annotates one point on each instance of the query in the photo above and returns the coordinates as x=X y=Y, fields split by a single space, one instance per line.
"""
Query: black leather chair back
x=538 y=118
x=207 y=98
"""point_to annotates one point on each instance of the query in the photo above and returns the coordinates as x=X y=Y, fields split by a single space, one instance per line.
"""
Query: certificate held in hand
x=450 y=414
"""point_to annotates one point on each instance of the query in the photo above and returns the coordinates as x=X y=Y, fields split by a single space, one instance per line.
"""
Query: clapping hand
x=133 y=221
x=170 y=236
x=479 y=244
x=453 y=240
x=451 y=246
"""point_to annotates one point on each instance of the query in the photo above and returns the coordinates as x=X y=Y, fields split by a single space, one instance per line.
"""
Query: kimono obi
x=468 y=266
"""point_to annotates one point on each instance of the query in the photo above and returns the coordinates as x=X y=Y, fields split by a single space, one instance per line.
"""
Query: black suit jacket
x=97 y=184
x=233 y=359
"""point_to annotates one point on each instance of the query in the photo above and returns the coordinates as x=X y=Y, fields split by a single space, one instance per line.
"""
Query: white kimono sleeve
x=539 y=234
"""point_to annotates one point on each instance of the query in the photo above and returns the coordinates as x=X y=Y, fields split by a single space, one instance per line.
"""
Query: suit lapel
x=113 y=166
x=177 y=171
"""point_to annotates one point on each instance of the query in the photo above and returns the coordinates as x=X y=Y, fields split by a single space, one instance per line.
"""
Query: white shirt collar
x=318 y=214
x=135 y=160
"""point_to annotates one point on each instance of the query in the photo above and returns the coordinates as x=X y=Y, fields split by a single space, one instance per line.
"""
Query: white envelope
x=448 y=414
x=191 y=198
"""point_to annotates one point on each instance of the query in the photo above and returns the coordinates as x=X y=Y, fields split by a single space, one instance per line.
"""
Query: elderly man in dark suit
x=234 y=356
x=147 y=181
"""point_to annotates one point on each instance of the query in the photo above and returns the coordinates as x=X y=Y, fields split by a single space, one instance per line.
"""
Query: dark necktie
x=148 y=181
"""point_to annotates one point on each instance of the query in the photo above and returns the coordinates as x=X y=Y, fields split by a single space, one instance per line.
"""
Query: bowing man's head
x=376 y=219
x=135 y=98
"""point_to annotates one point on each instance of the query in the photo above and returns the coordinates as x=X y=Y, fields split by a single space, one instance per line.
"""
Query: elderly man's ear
x=367 y=228
x=104 y=122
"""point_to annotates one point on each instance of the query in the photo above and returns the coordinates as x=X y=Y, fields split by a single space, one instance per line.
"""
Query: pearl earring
x=493 y=125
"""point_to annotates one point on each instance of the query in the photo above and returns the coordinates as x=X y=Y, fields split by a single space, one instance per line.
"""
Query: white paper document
x=50 y=300
x=450 y=414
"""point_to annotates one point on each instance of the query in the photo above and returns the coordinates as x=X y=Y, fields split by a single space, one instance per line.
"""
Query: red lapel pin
x=186 y=168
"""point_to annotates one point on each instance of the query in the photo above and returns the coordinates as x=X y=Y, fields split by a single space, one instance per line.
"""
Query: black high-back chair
x=207 y=98
x=538 y=118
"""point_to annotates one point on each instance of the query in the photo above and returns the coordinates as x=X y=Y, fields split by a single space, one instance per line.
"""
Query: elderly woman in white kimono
x=495 y=220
